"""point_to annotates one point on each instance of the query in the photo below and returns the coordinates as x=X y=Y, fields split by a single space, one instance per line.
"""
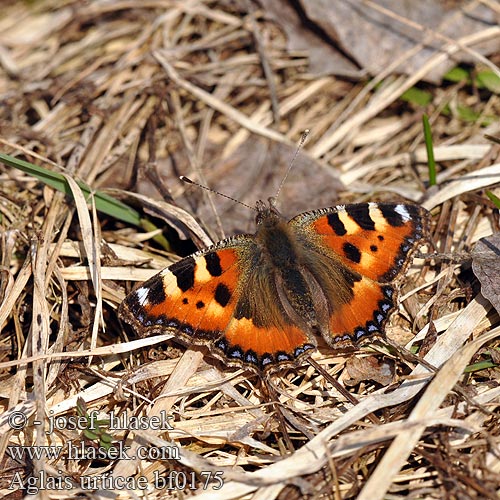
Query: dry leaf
x=486 y=266
x=375 y=34
x=253 y=172
x=369 y=368
x=324 y=58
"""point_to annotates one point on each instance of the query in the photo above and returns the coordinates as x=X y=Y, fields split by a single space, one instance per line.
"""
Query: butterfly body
x=259 y=300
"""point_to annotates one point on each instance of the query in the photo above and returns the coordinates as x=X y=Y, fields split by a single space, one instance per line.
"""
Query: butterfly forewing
x=370 y=245
x=215 y=298
x=373 y=239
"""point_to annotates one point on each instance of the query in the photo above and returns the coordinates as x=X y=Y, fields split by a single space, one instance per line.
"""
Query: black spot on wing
x=336 y=224
x=352 y=252
x=184 y=272
x=360 y=213
x=213 y=264
x=222 y=294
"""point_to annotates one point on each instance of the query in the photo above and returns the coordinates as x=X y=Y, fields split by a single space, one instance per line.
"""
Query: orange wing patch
x=263 y=347
x=372 y=239
x=194 y=297
x=364 y=315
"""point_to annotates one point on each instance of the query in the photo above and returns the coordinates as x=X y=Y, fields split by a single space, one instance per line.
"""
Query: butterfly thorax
x=281 y=266
x=274 y=236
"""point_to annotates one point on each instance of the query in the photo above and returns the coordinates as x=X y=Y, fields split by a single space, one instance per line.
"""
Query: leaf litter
x=109 y=90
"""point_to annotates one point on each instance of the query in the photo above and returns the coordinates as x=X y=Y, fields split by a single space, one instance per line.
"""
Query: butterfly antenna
x=187 y=180
x=299 y=147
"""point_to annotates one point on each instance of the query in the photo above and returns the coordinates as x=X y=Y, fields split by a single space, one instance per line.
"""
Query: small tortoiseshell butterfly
x=257 y=300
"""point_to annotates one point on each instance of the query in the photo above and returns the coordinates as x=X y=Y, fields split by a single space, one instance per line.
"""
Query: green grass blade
x=494 y=199
x=431 y=163
x=103 y=202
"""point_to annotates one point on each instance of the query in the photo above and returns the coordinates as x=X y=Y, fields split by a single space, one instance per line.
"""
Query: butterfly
x=258 y=301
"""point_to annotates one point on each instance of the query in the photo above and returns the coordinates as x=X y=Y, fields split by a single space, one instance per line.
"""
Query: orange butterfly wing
x=358 y=251
x=215 y=298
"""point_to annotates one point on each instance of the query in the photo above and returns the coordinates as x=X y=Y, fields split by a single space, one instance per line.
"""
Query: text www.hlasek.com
x=82 y=451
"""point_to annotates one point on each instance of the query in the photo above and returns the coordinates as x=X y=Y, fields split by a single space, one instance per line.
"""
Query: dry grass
x=112 y=92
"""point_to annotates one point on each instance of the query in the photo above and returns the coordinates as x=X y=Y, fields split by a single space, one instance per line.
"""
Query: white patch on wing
x=142 y=295
x=401 y=210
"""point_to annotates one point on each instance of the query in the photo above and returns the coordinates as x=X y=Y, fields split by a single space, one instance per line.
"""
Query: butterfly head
x=267 y=213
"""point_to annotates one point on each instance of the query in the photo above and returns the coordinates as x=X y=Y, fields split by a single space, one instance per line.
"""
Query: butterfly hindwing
x=358 y=251
x=216 y=298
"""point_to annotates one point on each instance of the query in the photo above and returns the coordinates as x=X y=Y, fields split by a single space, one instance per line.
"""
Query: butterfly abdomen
x=283 y=264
